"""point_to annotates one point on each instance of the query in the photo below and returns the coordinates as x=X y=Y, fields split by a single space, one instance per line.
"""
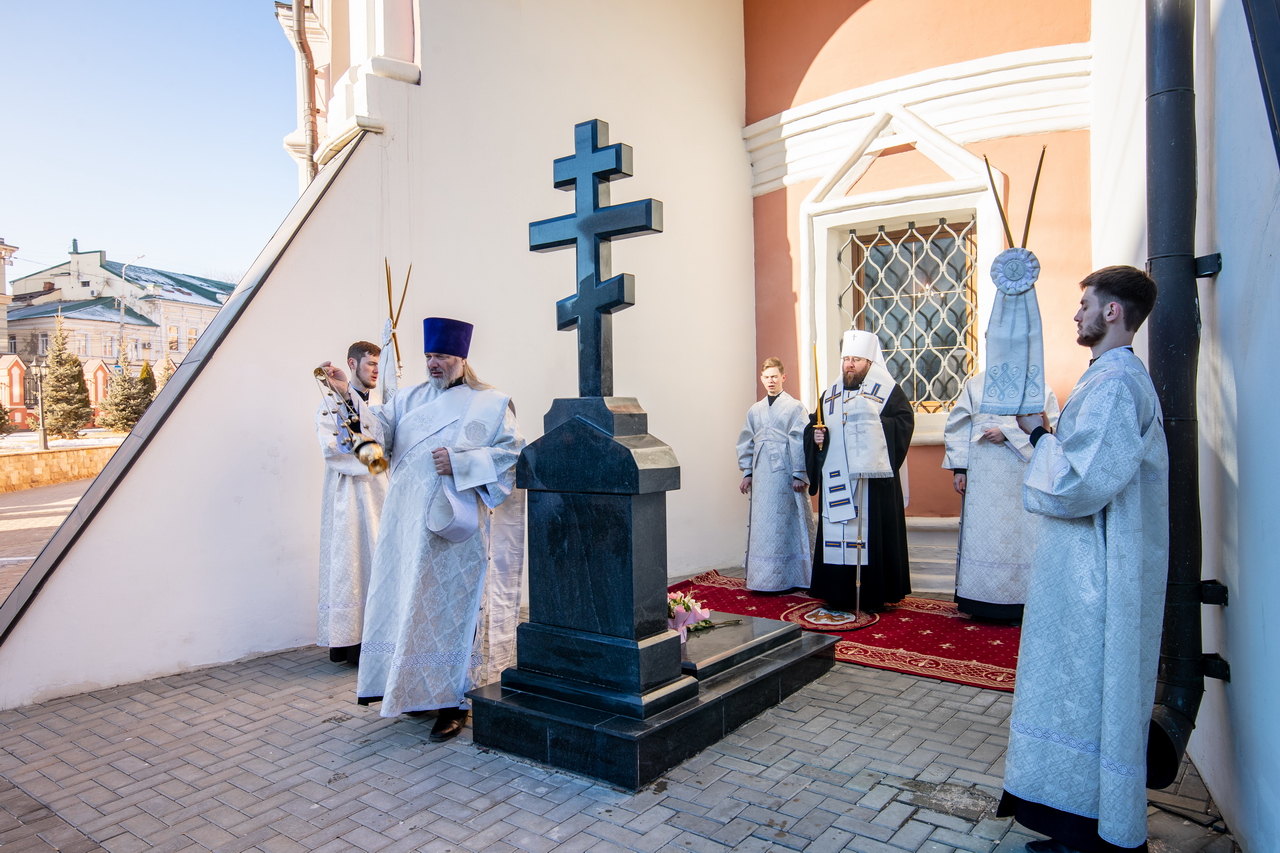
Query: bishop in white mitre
x=855 y=462
x=1076 y=767
x=988 y=457
x=350 y=505
x=780 y=529
x=445 y=589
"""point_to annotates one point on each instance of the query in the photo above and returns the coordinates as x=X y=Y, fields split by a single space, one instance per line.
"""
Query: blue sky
x=144 y=127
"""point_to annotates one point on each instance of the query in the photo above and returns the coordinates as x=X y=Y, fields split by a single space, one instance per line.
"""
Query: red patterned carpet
x=918 y=636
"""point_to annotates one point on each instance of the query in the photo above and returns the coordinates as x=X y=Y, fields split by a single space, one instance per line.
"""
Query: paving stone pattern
x=274 y=755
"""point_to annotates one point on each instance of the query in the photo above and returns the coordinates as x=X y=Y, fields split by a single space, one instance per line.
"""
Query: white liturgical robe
x=1095 y=607
x=442 y=607
x=997 y=535
x=781 y=528
x=350 y=504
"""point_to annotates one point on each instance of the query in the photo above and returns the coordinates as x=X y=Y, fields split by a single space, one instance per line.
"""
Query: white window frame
x=827 y=214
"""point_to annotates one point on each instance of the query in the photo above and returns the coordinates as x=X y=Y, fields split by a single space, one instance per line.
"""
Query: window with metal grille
x=916 y=289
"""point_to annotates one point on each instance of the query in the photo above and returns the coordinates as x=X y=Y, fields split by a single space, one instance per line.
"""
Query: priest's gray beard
x=442 y=382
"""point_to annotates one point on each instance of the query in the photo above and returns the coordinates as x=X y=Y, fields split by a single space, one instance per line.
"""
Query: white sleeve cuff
x=472 y=468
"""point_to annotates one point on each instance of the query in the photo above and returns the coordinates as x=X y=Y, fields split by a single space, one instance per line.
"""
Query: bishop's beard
x=852 y=379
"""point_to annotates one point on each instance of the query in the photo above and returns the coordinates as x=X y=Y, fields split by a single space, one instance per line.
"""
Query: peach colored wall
x=799 y=52
x=932 y=495
x=1060 y=237
x=777 y=285
x=903 y=166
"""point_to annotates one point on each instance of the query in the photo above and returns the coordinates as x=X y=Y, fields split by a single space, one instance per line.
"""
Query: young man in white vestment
x=780 y=528
x=444 y=593
x=1076 y=767
x=860 y=557
x=988 y=456
x=350 y=505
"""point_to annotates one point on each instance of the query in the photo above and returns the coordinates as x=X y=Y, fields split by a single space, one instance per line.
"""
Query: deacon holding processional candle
x=855 y=448
x=780 y=526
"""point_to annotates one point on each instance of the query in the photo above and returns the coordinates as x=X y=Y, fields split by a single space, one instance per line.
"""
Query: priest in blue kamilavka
x=1076 y=766
x=853 y=460
x=445 y=586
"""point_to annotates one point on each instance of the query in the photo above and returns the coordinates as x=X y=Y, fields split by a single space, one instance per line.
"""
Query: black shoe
x=448 y=724
x=1049 y=845
x=345 y=654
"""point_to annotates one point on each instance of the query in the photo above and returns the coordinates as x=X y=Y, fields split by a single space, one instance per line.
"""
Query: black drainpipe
x=1174 y=330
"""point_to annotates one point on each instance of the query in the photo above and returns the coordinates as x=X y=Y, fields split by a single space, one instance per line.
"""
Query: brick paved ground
x=274 y=755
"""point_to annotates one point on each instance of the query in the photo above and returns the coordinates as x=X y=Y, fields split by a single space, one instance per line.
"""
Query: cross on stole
x=590 y=228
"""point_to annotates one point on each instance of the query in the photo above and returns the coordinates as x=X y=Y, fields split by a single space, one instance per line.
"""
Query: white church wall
x=1118 y=135
x=226 y=565
x=1236 y=744
x=669 y=79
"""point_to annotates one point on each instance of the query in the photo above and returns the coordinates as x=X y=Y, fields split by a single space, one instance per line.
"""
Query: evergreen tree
x=126 y=400
x=66 y=397
x=163 y=372
x=6 y=421
x=148 y=380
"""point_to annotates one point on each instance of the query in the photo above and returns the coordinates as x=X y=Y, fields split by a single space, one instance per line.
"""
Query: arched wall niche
x=800 y=52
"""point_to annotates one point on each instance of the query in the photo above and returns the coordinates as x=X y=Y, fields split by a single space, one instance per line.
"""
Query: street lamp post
x=40 y=371
x=120 y=344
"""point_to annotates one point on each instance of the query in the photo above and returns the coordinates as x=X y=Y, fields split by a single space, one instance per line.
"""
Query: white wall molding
x=827 y=214
x=1042 y=90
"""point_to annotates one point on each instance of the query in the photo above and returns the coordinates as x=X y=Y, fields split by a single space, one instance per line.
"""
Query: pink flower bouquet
x=684 y=613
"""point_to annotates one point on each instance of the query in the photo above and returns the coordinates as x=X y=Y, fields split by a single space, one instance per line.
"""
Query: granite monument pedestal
x=601 y=686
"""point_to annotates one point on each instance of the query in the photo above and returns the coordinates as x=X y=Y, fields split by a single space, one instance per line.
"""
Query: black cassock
x=887 y=576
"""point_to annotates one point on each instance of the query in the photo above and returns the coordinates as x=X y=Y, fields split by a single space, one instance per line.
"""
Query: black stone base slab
x=709 y=653
x=638 y=706
x=611 y=663
x=632 y=753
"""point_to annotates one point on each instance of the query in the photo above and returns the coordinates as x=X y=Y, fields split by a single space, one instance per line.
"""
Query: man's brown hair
x=360 y=349
x=1130 y=286
x=773 y=361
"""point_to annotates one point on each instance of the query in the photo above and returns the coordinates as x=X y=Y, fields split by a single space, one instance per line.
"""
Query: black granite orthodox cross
x=589 y=229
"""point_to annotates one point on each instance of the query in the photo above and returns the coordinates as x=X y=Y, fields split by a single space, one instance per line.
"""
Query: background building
x=158 y=313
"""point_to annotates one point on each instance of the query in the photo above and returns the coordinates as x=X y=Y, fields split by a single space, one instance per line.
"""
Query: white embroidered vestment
x=781 y=528
x=1095 y=607
x=350 y=505
x=441 y=614
x=997 y=535
x=857 y=452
